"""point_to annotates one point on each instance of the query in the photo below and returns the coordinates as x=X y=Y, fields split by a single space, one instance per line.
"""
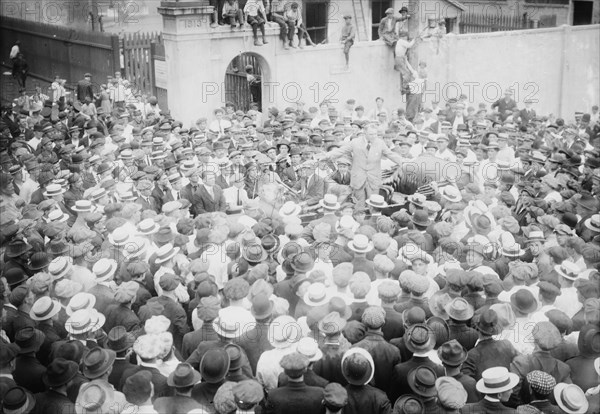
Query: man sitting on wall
x=232 y=14
x=255 y=13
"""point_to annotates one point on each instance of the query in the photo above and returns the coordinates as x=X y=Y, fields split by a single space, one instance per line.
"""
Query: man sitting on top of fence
x=255 y=13
x=232 y=14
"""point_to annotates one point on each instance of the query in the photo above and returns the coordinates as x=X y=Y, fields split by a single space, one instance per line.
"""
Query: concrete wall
x=559 y=67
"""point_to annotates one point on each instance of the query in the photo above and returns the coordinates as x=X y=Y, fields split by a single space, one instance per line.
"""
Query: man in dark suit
x=209 y=197
x=85 y=89
x=58 y=378
x=28 y=369
x=145 y=199
x=161 y=193
x=420 y=339
x=296 y=397
x=505 y=105
x=488 y=352
x=311 y=188
x=527 y=114
x=190 y=190
x=120 y=341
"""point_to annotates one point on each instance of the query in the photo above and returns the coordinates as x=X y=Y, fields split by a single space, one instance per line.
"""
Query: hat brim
x=322 y=302
x=513 y=380
x=97 y=373
x=421 y=223
x=563 y=274
x=429 y=345
x=429 y=392
x=225 y=334
x=357 y=250
x=27 y=408
x=506 y=253
x=169 y=257
x=384 y=205
x=336 y=206
x=34 y=347
x=558 y=389
x=56 y=307
x=94 y=327
x=69 y=311
x=111 y=273
x=193 y=381
x=588 y=223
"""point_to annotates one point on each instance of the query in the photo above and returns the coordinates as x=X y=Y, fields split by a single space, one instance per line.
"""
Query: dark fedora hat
x=14 y=277
x=59 y=372
x=488 y=323
x=452 y=353
x=29 y=339
x=184 y=376
x=72 y=350
x=235 y=356
x=421 y=381
x=421 y=218
x=420 y=338
x=16 y=248
x=39 y=261
x=119 y=339
x=214 y=365
x=17 y=400
x=97 y=362
x=523 y=301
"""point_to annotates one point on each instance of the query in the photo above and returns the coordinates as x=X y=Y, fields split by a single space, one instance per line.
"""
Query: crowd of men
x=257 y=263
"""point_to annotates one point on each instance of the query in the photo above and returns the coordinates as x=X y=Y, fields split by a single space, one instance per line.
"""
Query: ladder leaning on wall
x=361 y=24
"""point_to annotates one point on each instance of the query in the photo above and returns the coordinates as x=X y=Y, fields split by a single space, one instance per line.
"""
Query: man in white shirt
x=236 y=196
x=219 y=125
x=255 y=12
x=443 y=152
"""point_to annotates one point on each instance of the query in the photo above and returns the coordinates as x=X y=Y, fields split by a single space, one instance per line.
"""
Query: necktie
x=368 y=146
x=239 y=201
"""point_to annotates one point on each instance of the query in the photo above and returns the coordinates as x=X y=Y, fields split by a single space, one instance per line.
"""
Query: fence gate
x=137 y=60
x=237 y=89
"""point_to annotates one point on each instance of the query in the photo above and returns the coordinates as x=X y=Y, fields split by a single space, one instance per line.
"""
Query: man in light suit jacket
x=209 y=197
x=366 y=151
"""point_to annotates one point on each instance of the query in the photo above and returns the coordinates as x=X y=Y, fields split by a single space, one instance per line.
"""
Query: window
x=316 y=20
x=378 y=8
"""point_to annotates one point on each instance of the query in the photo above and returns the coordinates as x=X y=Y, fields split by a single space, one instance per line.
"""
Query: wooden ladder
x=361 y=24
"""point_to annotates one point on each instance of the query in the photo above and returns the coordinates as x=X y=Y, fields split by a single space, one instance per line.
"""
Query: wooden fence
x=52 y=50
x=137 y=59
x=479 y=23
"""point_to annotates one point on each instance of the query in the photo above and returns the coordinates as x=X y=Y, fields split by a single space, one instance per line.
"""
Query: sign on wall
x=160 y=74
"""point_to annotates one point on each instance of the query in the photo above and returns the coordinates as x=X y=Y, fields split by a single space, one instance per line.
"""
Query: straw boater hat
x=104 y=269
x=376 y=200
x=83 y=206
x=79 y=301
x=593 y=223
x=330 y=202
x=166 y=253
x=289 y=209
x=496 y=380
x=570 y=398
x=54 y=190
x=85 y=320
x=44 y=308
x=360 y=244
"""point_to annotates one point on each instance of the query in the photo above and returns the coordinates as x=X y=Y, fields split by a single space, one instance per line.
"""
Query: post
x=187 y=38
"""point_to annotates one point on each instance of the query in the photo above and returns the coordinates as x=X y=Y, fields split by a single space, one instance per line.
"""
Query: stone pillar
x=186 y=33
